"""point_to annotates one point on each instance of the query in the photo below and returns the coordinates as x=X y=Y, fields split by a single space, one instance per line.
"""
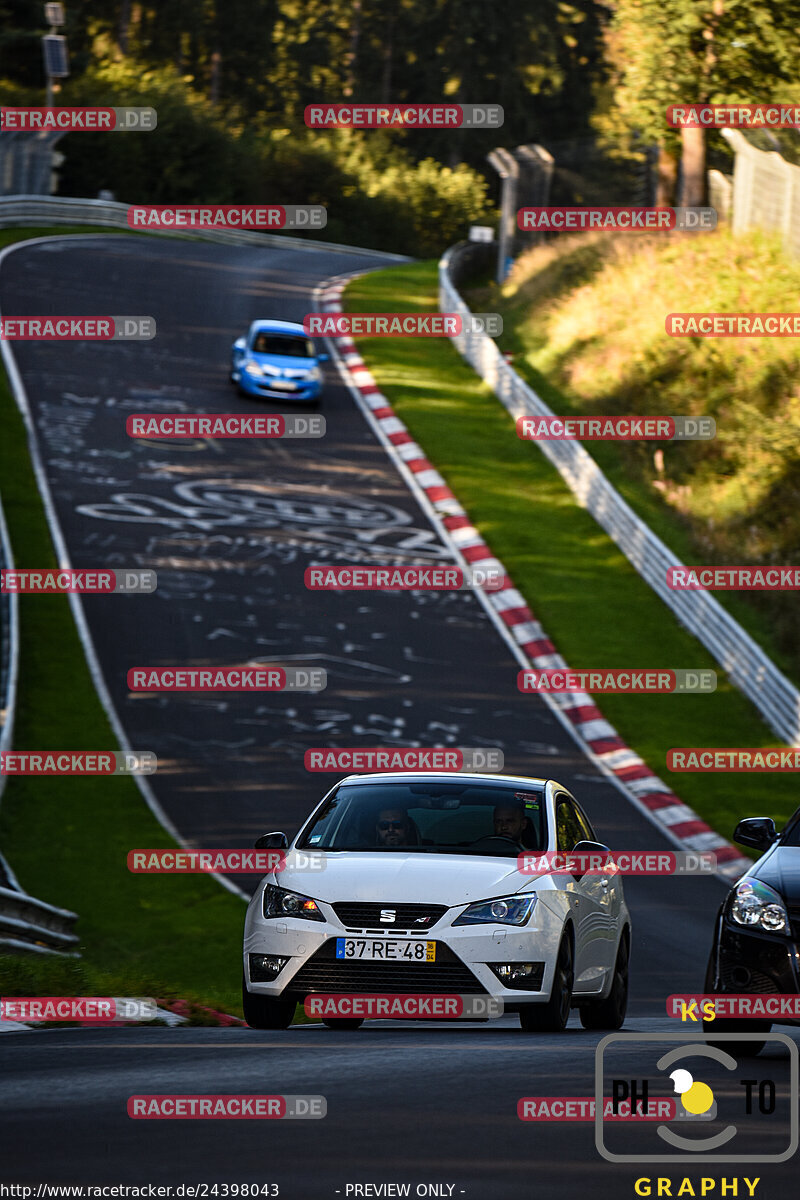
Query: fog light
x=266 y=967
x=527 y=976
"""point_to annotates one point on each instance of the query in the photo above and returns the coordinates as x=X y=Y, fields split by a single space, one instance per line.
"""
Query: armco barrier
x=25 y=923
x=27 y=211
x=776 y=698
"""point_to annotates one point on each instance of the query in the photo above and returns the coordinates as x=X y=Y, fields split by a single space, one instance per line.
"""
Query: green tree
x=663 y=52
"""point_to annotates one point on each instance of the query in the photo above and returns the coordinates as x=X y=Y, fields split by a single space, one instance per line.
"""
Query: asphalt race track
x=230 y=525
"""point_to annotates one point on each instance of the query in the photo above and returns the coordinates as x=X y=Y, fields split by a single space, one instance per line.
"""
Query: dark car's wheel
x=610 y=1013
x=343 y=1022
x=749 y=1046
x=264 y=1012
x=552 y=1017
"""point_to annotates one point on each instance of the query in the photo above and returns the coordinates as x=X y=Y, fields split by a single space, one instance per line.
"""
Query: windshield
x=283 y=344
x=491 y=818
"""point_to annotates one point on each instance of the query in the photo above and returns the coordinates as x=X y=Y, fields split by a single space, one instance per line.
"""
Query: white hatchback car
x=431 y=858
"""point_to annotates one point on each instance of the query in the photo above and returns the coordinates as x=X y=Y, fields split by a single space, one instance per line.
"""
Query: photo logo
x=404 y=1007
x=733 y=116
x=226 y=1108
x=717 y=1098
x=734 y=579
x=732 y=758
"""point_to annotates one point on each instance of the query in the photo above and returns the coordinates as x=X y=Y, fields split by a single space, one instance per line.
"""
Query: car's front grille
x=758 y=983
x=325 y=973
x=418 y=918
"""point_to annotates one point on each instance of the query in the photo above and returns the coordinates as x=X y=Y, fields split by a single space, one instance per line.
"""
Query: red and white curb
x=524 y=634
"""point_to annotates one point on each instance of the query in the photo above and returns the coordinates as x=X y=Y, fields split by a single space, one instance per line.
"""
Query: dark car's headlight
x=278 y=902
x=755 y=905
x=507 y=910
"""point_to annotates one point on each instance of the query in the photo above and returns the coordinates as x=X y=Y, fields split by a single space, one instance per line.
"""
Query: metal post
x=508 y=169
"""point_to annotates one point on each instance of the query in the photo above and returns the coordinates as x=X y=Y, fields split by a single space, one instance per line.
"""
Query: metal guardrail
x=749 y=668
x=25 y=211
x=25 y=923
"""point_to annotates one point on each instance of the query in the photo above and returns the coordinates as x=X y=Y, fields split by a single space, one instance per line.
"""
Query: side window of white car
x=568 y=825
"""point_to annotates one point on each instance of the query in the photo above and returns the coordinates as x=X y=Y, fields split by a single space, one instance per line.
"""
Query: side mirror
x=323 y=358
x=588 y=848
x=758 y=832
x=240 y=343
x=272 y=841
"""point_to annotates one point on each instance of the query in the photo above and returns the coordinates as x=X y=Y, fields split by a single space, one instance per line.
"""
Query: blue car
x=277 y=360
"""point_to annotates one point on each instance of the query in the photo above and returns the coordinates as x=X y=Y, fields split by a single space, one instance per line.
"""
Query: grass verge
x=590 y=600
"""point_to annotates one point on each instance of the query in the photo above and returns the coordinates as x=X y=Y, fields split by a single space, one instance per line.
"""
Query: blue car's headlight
x=278 y=902
x=509 y=910
x=253 y=369
x=755 y=905
x=315 y=375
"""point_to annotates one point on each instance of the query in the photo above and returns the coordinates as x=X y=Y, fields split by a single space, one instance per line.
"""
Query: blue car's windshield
x=283 y=344
x=487 y=818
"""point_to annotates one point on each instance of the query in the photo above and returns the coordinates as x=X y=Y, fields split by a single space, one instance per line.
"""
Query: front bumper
x=263 y=388
x=463 y=956
x=749 y=962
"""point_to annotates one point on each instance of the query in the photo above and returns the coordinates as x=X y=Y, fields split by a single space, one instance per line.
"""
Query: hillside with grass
x=585 y=320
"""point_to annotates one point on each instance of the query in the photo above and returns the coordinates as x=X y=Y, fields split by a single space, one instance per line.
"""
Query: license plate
x=280 y=385
x=386 y=949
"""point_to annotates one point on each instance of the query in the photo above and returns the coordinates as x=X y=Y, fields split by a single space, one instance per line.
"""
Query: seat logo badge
x=388 y=916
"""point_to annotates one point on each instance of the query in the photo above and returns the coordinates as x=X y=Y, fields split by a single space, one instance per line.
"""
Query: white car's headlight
x=278 y=902
x=253 y=369
x=509 y=910
x=755 y=904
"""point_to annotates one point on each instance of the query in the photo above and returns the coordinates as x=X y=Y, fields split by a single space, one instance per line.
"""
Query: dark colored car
x=756 y=949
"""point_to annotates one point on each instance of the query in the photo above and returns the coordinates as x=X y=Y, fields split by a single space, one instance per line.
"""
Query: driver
x=392 y=827
x=510 y=822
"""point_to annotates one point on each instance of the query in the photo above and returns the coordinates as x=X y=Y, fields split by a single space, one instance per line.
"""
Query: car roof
x=461 y=776
x=265 y=326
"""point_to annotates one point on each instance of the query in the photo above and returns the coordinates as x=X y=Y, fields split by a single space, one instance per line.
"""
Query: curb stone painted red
x=596 y=735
